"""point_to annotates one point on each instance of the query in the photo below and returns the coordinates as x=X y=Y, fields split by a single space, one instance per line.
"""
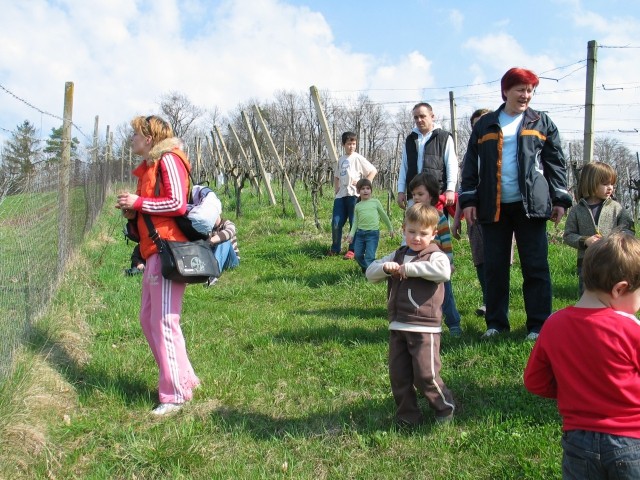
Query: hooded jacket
x=171 y=200
x=541 y=167
x=580 y=224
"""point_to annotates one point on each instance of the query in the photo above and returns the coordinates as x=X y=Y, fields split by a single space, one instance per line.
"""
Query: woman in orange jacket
x=163 y=162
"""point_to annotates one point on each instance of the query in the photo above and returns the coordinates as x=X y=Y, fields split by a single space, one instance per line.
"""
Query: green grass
x=291 y=348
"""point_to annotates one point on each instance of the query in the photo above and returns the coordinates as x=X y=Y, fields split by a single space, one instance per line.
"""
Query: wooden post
x=107 y=160
x=324 y=125
x=454 y=129
x=256 y=153
x=274 y=152
x=589 y=103
x=65 y=180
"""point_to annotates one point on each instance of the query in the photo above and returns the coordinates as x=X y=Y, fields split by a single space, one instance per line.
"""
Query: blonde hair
x=424 y=215
x=611 y=260
x=152 y=126
x=594 y=174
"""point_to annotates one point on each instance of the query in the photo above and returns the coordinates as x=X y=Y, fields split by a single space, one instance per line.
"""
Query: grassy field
x=291 y=349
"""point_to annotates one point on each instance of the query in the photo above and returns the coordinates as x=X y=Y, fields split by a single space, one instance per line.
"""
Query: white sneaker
x=533 y=336
x=491 y=332
x=166 y=408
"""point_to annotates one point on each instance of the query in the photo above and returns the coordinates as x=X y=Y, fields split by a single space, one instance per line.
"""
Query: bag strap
x=153 y=233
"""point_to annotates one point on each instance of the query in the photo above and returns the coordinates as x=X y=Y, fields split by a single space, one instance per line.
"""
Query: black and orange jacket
x=541 y=167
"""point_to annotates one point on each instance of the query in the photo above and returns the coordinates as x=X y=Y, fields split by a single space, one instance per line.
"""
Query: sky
x=123 y=55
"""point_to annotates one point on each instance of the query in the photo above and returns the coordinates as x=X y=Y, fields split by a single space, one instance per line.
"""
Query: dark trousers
x=414 y=364
x=531 y=238
x=343 y=210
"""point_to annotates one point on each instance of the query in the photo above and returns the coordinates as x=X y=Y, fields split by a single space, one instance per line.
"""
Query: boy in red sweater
x=588 y=358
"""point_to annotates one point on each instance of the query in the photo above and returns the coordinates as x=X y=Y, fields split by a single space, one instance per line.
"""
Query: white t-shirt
x=509 y=181
x=349 y=170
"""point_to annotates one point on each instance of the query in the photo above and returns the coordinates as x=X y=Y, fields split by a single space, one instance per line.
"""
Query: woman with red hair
x=513 y=181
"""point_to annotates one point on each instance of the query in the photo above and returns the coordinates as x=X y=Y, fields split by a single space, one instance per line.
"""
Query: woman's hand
x=126 y=200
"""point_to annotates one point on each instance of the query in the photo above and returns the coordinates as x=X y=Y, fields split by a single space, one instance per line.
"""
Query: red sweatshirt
x=589 y=359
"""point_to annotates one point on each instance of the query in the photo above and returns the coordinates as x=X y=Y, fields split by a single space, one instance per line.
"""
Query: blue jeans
x=533 y=246
x=225 y=255
x=449 y=309
x=594 y=455
x=343 y=209
x=365 y=245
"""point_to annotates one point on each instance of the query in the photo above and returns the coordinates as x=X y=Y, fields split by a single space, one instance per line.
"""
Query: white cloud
x=122 y=56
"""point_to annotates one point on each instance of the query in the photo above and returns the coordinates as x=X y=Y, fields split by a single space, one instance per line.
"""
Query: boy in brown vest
x=414 y=275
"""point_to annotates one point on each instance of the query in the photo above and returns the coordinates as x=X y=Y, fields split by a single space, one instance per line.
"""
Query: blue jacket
x=541 y=167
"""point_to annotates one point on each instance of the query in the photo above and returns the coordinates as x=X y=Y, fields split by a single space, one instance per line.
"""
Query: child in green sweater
x=366 y=225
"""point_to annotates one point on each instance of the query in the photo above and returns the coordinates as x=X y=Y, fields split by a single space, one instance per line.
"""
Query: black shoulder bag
x=184 y=262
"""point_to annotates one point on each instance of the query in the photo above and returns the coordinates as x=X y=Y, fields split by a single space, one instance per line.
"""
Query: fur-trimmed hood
x=165 y=146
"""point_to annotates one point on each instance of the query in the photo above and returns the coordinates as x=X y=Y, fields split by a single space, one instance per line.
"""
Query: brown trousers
x=414 y=364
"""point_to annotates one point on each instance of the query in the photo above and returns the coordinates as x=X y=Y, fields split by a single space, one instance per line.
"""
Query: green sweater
x=367 y=216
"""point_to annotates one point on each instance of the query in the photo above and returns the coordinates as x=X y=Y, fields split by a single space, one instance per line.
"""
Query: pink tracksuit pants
x=160 y=320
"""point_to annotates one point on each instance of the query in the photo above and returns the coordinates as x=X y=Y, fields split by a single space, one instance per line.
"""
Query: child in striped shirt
x=424 y=188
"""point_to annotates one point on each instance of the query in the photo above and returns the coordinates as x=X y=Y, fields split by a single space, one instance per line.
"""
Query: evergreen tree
x=53 y=149
x=19 y=156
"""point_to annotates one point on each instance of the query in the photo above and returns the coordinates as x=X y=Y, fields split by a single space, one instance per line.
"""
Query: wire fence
x=33 y=252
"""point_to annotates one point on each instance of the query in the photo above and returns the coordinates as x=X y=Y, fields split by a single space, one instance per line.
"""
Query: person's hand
x=348 y=238
x=392 y=234
x=126 y=200
x=449 y=197
x=456 y=230
x=402 y=200
x=470 y=215
x=592 y=239
x=556 y=214
x=391 y=268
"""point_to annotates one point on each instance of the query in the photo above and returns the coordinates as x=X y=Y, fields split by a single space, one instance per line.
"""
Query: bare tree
x=180 y=112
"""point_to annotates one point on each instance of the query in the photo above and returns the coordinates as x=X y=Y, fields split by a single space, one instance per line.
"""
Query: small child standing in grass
x=414 y=275
x=597 y=214
x=424 y=188
x=366 y=225
x=351 y=167
x=587 y=358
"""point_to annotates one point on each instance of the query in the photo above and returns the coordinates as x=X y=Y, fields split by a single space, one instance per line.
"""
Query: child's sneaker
x=349 y=255
x=447 y=419
x=480 y=311
x=211 y=282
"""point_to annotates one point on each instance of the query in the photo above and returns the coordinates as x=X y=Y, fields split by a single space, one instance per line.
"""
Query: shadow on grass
x=347 y=336
x=317 y=279
x=85 y=377
x=505 y=407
